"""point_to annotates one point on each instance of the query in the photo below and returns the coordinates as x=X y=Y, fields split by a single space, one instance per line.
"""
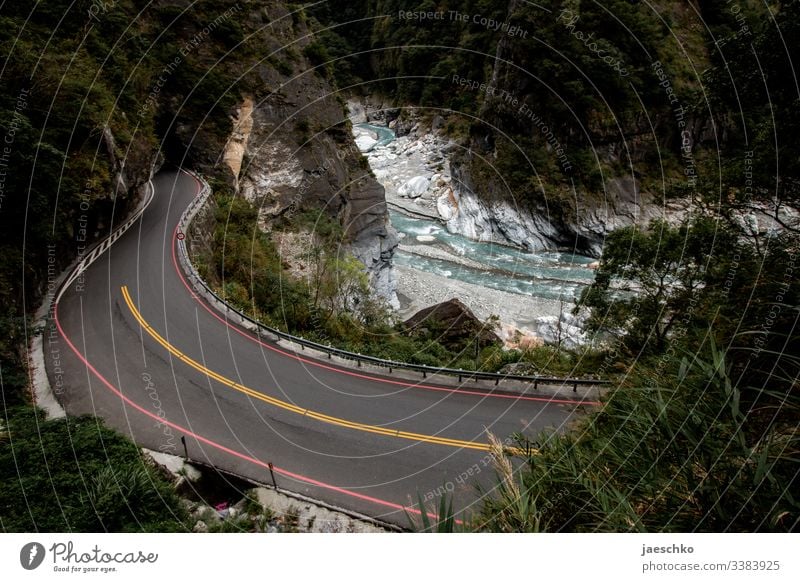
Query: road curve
x=136 y=347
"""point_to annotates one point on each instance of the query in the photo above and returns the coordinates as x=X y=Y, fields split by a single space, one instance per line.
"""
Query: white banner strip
x=400 y=557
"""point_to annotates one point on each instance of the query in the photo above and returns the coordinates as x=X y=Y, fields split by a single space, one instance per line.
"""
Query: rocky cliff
x=479 y=212
x=556 y=164
x=427 y=174
x=287 y=145
x=292 y=151
x=557 y=146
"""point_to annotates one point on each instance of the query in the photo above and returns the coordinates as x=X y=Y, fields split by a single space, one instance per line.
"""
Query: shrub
x=673 y=449
x=73 y=474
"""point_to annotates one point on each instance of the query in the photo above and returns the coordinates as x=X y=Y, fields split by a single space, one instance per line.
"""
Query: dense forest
x=696 y=100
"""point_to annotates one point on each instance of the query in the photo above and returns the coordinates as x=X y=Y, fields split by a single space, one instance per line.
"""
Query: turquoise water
x=385 y=135
x=549 y=275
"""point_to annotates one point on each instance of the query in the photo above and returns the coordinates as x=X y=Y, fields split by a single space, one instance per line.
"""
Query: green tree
x=652 y=282
x=338 y=281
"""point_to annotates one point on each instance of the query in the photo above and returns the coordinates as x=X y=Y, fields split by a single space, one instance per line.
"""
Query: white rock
x=500 y=221
x=356 y=112
x=571 y=331
x=365 y=142
x=425 y=238
x=415 y=187
x=444 y=207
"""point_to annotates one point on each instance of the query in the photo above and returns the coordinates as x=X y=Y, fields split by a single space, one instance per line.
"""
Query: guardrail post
x=575 y=387
x=424 y=373
x=536 y=384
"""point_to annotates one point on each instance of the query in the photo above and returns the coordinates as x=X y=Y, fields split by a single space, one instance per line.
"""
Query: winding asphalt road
x=137 y=348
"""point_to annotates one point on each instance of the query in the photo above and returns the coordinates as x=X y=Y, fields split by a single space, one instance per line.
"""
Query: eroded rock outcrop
x=452 y=324
x=430 y=176
x=299 y=156
x=583 y=228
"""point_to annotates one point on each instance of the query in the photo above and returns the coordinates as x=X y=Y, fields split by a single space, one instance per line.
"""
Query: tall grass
x=678 y=447
x=441 y=521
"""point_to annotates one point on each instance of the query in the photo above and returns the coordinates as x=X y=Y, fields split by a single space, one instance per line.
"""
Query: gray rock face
x=493 y=217
x=494 y=220
x=376 y=241
x=565 y=330
x=356 y=111
x=301 y=156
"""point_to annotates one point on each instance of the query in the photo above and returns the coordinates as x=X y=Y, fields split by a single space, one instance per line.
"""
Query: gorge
x=357 y=166
x=445 y=253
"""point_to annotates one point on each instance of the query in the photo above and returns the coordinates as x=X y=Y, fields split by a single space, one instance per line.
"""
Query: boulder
x=415 y=187
x=452 y=324
x=566 y=330
x=365 y=142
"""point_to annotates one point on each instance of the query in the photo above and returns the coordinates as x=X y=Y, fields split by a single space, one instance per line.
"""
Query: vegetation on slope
x=694 y=437
x=329 y=302
x=679 y=446
x=75 y=475
x=95 y=96
x=705 y=76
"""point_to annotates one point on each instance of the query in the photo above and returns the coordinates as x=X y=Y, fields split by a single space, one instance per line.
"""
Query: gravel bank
x=418 y=289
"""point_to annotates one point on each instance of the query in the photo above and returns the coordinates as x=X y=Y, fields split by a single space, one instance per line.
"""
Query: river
x=549 y=275
x=427 y=246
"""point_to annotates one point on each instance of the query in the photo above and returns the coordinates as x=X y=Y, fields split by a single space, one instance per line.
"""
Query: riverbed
x=521 y=287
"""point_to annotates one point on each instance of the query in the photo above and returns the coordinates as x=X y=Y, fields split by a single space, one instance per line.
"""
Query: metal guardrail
x=96 y=249
x=202 y=288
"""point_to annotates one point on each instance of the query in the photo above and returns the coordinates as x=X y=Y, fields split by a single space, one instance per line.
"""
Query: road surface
x=137 y=348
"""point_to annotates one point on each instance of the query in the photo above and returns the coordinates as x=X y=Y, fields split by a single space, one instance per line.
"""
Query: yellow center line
x=292 y=407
